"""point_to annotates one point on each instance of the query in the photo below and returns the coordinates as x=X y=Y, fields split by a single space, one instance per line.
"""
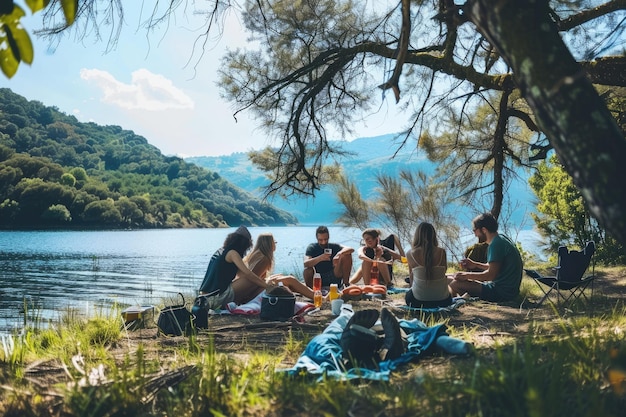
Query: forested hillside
x=58 y=172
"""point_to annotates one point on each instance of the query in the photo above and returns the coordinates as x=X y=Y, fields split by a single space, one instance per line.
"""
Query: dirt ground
x=481 y=323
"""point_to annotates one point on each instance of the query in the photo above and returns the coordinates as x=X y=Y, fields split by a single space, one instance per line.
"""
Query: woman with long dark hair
x=427 y=270
x=226 y=263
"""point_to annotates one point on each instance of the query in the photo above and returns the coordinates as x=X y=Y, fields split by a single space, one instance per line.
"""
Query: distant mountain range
x=370 y=156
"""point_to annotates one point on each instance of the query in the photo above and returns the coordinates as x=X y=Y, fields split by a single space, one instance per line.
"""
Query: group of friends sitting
x=491 y=270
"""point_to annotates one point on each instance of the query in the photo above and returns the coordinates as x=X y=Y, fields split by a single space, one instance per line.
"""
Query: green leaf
x=15 y=44
x=8 y=63
x=21 y=44
x=69 y=10
x=36 y=5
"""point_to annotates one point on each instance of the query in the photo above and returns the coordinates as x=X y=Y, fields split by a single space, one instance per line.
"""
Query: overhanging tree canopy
x=316 y=61
x=318 y=65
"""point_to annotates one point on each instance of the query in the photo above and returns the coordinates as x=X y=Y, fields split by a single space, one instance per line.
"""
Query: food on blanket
x=380 y=289
x=374 y=289
x=353 y=290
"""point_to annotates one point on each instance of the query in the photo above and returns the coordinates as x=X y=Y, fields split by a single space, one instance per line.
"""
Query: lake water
x=46 y=273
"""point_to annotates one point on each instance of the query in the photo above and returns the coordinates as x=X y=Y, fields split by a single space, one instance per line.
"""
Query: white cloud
x=147 y=91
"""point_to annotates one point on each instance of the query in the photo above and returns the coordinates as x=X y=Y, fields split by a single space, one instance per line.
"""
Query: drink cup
x=336 y=305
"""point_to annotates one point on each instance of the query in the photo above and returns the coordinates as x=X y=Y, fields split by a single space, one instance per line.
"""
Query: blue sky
x=154 y=86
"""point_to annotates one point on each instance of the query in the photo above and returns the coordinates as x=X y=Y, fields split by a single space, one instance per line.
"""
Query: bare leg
x=384 y=272
x=366 y=267
x=343 y=268
x=294 y=285
x=307 y=275
x=245 y=290
x=356 y=277
x=473 y=288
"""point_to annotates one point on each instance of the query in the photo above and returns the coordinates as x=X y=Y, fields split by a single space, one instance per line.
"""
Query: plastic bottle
x=374 y=274
x=317 y=282
x=333 y=293
x=317 y=299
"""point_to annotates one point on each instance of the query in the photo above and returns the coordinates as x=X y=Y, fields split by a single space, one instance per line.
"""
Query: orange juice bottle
x=334 y=292
x=317 y=299
x=374 y=274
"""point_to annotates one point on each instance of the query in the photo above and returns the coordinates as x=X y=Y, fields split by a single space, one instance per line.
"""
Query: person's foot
x=393 y=346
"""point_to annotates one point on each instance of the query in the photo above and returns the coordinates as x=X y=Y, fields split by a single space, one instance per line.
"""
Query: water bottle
x=317 y=282
x=374 y=274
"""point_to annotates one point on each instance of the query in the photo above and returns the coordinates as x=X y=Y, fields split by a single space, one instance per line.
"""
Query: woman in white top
x=427 y=270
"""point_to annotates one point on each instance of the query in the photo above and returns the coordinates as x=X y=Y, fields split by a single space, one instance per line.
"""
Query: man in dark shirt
x=334 y=267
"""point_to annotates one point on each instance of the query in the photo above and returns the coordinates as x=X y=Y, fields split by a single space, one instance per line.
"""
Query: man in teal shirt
x=498 y=279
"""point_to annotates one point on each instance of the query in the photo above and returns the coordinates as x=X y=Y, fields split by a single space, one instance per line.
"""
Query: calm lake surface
x=48 y=273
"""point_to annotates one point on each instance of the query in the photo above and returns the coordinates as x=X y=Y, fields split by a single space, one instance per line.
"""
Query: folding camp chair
x=568 y=283
x=389 y=242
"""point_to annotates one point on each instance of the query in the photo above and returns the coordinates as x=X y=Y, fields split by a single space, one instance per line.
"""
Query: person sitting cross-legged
x=331 y=260
x=500 y=277
x=372 y=252
x=427 y=270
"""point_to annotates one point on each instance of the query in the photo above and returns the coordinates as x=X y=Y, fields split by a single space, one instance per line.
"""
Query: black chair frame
x=569 y=282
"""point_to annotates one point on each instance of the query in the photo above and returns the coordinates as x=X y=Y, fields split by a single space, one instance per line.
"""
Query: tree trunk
x=568 y=109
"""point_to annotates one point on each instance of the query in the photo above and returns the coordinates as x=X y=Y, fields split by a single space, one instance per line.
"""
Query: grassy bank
x=528 y=362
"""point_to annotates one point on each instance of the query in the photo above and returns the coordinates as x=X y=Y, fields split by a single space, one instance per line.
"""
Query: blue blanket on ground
x=456 y=303
x=323 y=355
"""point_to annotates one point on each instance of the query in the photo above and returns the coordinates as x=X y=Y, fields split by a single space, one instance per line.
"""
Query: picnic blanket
x=323 y=355
x=456 y=303
x=397 y=290
x=253 y=307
